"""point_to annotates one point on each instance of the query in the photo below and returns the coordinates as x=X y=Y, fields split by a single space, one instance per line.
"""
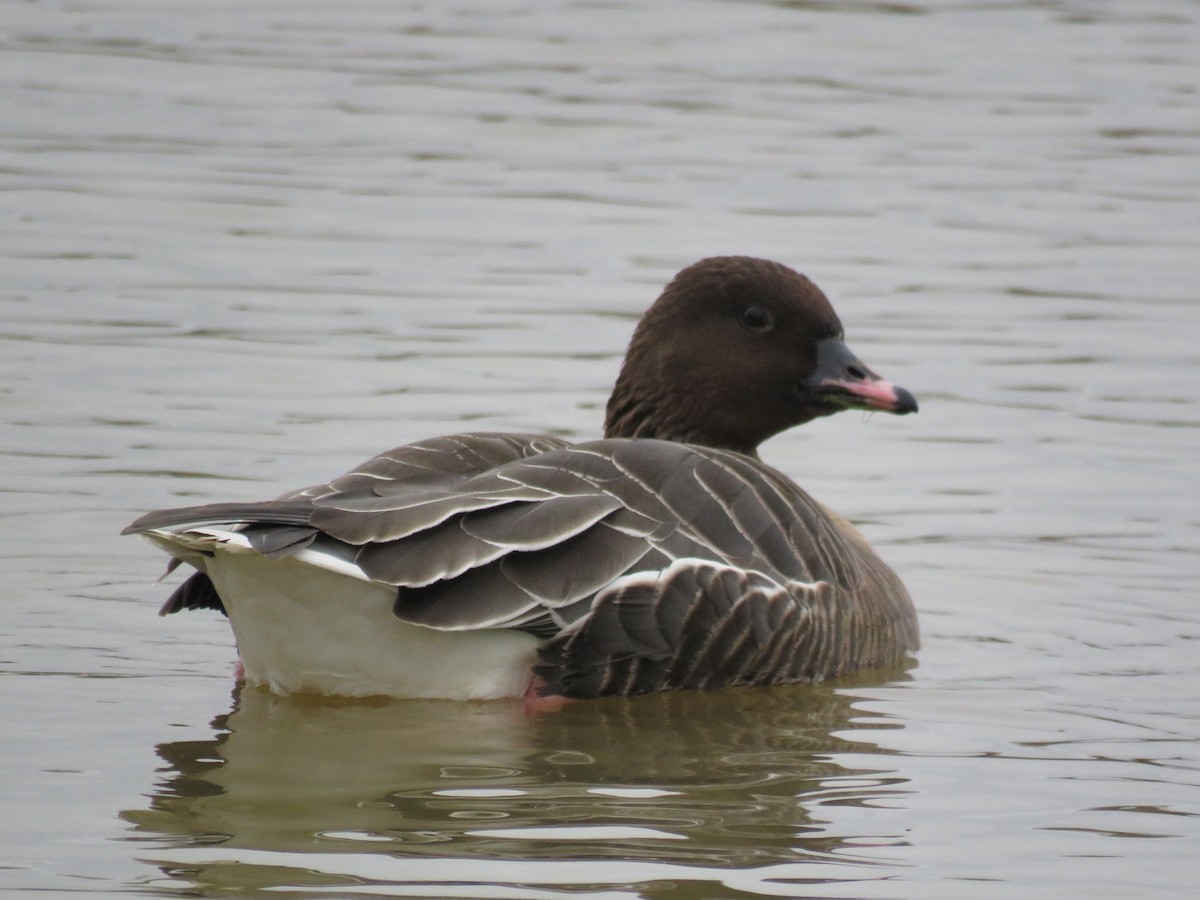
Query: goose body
x=664 y=556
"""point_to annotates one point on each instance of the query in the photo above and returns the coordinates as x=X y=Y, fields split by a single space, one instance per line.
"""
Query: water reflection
x=744 y=779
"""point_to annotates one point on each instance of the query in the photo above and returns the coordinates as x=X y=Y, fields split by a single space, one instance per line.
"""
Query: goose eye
x=755 y=318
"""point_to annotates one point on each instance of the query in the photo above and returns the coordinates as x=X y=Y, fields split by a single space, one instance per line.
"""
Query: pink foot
x=534 y=702
x=239 y=671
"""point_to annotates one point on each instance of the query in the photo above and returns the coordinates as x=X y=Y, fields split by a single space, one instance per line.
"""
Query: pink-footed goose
x=665 y=556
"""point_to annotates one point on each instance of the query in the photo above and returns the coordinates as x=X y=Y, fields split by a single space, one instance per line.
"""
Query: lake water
x=247 y=244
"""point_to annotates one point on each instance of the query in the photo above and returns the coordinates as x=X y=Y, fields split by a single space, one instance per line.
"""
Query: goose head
x=736 y=350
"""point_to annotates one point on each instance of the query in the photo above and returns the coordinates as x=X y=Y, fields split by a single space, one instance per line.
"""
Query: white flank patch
x=314 y=623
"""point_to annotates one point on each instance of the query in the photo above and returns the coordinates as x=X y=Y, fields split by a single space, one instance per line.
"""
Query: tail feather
x=274 y=512
x=197 y=592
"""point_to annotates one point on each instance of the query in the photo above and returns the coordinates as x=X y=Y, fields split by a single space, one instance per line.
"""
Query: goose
x=664 y=556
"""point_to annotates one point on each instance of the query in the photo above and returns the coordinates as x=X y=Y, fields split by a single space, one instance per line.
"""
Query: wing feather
x=578 y=567
x=695 y=624
x=534 y=526
x=479 y=598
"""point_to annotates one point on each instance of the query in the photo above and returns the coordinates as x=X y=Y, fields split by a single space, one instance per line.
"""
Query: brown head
x=736 y=350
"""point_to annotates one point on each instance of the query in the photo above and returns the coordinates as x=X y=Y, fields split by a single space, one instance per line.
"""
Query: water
x=248 y=244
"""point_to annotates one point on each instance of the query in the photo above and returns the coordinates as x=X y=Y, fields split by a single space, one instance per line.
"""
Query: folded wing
x=647 y=565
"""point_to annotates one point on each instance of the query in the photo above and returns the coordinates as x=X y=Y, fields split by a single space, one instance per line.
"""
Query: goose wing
x=649 y=564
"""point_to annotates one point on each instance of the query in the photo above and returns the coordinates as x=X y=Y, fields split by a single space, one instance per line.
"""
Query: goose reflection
x=729 y=778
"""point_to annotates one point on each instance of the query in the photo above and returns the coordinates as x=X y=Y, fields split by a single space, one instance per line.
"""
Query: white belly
x=303 y=629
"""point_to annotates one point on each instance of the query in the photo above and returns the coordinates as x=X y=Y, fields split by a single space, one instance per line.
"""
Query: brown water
x=248 y=244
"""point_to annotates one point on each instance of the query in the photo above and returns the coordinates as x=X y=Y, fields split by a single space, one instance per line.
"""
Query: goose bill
x=844 y=382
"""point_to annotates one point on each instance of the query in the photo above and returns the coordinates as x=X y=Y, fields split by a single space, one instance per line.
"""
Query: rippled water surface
x=248 y=244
